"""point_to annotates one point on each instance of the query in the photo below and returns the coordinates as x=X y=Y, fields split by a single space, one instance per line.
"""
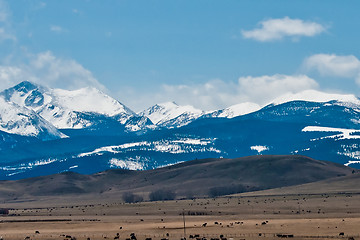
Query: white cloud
x=48 y=70
x=6 y=35
x=5 y=28
x=57 y=29
x=333 y=65
x=264 y=89
x=4 y=11
x=277 y=29
x=217 y=94
x=8 y=74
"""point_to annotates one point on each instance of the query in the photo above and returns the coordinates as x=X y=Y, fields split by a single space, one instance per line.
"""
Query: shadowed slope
x=197 y=178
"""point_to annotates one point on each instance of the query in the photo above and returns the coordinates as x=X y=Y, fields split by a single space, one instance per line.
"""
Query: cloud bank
x=331 y=65
x=217 y=94
x=5 y=29
x=277 y=29
x=48 y=70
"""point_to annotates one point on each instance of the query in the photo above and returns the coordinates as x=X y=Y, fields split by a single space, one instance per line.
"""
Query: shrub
x=162 y=195
x=129 y=197
x=4 y=211
x=226 y=190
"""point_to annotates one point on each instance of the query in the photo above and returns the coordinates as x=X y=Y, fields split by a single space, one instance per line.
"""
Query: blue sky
x=210 y=54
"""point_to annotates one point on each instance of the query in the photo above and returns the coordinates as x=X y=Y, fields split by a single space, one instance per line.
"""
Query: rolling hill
x=197 y=178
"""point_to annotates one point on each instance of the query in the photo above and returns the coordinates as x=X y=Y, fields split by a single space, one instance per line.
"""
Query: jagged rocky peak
x=25 y=94
x=25 y=87
x=22 y=121
x=66 y=108
x=162 y=113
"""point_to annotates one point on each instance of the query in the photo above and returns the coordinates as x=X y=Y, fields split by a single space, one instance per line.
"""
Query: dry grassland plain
x=244 y=216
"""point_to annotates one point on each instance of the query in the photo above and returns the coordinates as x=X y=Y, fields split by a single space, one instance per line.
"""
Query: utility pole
x=184 y=224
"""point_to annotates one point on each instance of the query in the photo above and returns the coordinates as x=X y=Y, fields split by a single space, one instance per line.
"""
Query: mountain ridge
x=197 y=178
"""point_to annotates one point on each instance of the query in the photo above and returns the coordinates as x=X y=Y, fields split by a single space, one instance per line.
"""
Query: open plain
x=301 y=216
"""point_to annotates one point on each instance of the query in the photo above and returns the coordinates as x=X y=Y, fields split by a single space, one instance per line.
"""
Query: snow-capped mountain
x=235 y=110
x=71 y=109
x=171 y=115
x=22 y=121
x=100 y=130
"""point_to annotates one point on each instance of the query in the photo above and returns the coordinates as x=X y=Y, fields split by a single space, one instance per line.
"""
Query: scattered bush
x=129 y=197
x=4 y=211
x=226 y=190
x=162 y=195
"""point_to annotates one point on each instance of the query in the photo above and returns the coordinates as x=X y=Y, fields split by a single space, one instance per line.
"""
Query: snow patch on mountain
x=114 y=149
x=343 y=132
x=19 y=120
x=129 y=163
x=352 y=162
x=178 y=146
x=259 y=148
x=236 y=110
x=17 y=169
x=88 y=100
x=170 y=114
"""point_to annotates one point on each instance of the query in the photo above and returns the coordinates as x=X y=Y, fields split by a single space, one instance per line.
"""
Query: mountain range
x=47 y=131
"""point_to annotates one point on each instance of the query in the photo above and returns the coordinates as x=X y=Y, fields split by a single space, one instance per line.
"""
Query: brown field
x=306 y=216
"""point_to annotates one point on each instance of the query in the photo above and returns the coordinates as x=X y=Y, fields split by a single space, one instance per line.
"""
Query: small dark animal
x=204 y=225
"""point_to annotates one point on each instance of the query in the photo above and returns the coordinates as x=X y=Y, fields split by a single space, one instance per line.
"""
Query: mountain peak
x=165 y=105
x=25 y=86
x=236 y=110
x=65 y=108
x=163 y=112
